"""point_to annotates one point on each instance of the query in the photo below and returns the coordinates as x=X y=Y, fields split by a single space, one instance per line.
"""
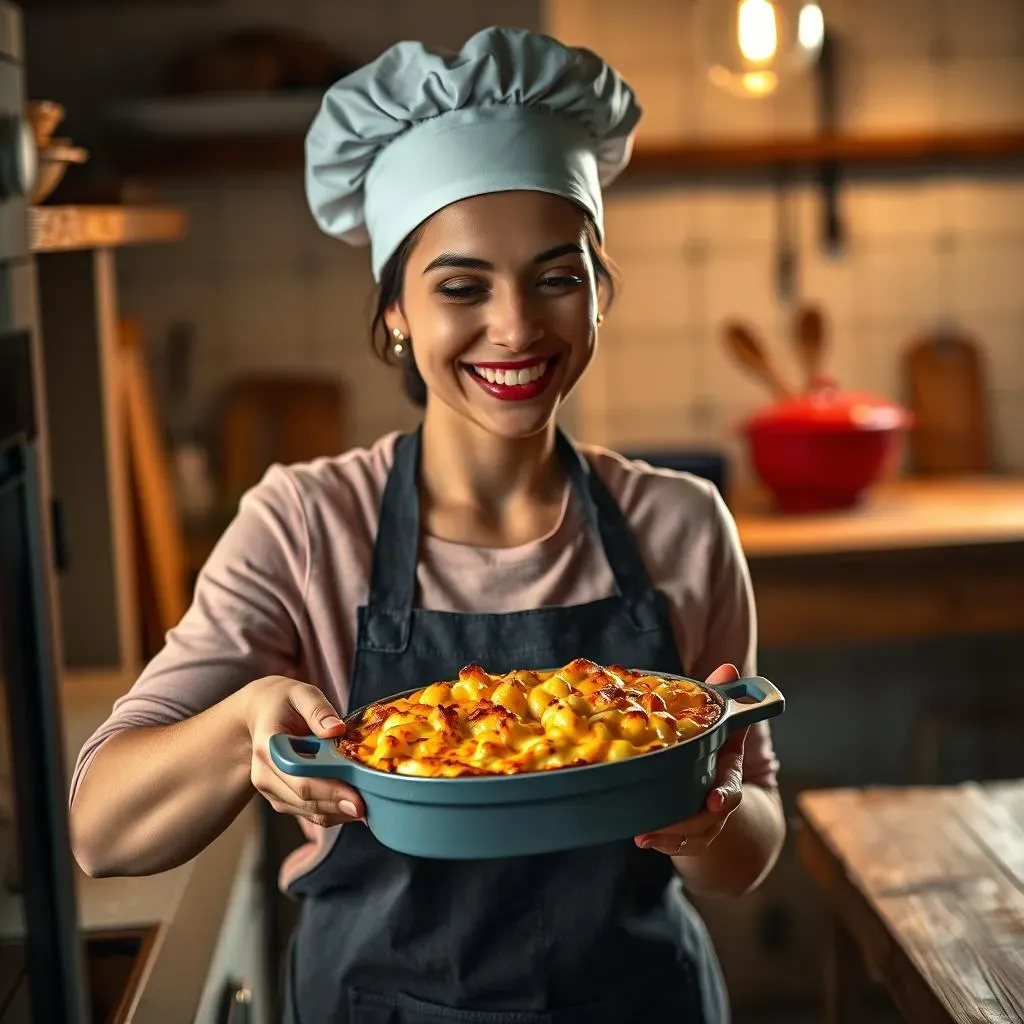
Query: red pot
x=823 y=450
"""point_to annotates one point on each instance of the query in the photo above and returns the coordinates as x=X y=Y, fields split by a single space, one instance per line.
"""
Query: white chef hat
x=418 y=129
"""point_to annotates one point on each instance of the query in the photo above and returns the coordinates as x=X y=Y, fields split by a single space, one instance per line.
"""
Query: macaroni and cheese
x=525 y=721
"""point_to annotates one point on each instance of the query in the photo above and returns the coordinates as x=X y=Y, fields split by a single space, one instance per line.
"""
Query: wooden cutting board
x=946 y=388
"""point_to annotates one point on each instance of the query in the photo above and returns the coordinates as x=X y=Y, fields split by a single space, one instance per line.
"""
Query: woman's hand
x=692 y=837
x=278 y=704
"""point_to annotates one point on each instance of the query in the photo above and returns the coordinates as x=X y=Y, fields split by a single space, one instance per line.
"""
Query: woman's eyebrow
x=464 y=261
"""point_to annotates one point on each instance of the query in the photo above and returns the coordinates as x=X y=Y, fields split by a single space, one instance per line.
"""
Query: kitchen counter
x=902 y=514
x=180 y=914
x=919 y=558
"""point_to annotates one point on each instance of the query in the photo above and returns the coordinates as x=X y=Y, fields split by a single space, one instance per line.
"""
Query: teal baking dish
x=536 y=812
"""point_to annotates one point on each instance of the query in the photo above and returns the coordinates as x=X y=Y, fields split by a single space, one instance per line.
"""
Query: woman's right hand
x=278 y=704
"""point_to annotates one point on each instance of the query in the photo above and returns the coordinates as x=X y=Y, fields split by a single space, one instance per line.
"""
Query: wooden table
x=926 y=888
x=919 y=558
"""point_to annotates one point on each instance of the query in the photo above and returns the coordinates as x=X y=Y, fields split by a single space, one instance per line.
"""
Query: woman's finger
x=671 y=843
x=316 y=710
x=724 y=800
x=726 y=673
x=306 y=796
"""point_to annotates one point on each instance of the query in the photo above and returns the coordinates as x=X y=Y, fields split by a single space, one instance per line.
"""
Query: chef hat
x=418 y=129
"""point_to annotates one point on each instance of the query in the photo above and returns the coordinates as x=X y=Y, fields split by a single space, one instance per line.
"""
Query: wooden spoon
x=744 y=345
x=809 y=338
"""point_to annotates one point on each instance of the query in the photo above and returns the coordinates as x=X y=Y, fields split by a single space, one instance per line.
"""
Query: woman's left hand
x=692 y=837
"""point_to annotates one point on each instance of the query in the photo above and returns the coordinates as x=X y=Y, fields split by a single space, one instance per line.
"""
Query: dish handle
x=304 y=755
x=770 y=701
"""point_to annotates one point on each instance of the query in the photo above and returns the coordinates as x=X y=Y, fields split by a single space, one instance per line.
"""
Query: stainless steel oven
x=41 y=967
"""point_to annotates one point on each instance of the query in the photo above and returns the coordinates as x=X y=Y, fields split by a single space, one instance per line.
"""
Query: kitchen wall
x=923 y=251
x=266 y=290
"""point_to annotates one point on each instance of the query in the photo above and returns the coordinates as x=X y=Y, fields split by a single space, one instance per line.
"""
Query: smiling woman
x=485 y=536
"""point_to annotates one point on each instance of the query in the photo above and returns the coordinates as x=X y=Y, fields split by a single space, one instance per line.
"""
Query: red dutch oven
x=823 y=450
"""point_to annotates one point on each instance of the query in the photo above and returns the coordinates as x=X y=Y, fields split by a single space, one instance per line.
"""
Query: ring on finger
x=679 y=848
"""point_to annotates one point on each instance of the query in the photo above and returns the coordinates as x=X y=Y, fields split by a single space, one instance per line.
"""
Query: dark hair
x=390 y=291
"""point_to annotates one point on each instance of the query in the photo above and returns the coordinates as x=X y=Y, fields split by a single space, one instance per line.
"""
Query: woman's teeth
x=527 y=376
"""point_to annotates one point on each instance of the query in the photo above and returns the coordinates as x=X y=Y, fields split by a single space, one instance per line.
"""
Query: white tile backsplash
x=896 y=29
x=650 y=223
x=877 y=211
x=900 y=278
x=740 y=285
x=890 y=95
x=650 y=373
x=984 y=28
x=655 y=297
x=732 y=220
x=1001 y=340
x=991 y=203
x=987 y=275
x=1008 y=428
x=662 y=34
x=983 y=91
x=722 y=116
x=666 y=94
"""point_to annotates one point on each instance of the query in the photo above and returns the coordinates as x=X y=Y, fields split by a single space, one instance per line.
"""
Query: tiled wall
x=267 y=290
x=923 y=251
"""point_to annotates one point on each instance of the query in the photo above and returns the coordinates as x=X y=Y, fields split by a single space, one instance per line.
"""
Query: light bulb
x=810 y=27
x=750 y=46
x=755 y=30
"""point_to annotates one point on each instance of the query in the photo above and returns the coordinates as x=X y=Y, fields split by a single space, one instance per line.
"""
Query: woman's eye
x=562 y=281
x=460 y=292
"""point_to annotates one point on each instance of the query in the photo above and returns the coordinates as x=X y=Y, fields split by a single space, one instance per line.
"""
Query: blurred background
x=821 y=244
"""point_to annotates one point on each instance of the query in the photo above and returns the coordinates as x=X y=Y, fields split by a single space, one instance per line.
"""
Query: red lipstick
x=513 y=392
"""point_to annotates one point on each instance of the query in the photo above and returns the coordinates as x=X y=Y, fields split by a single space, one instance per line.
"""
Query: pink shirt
x=279 y=593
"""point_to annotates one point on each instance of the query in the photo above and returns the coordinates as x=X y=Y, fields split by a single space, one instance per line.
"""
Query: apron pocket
x=395 y=1008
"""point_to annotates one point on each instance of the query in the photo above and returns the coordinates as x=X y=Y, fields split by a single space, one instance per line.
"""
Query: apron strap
x=605 y=518
x=388 y=614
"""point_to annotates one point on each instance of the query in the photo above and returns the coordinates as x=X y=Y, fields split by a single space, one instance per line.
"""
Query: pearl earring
x=399 y=346
x=600 y=319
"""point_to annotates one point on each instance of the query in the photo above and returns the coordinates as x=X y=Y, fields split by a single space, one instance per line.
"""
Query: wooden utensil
x=946 y=392
x=161 y=556
x=748 y=350
x=809 y=339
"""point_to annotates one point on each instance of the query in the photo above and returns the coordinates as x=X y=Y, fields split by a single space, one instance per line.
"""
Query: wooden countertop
x=903 y=514
x=929 y=884
x=62 y=228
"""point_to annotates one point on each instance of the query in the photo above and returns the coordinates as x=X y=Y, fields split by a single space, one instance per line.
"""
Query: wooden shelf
x=167 y=158
x=62 y=228
x=654 y=160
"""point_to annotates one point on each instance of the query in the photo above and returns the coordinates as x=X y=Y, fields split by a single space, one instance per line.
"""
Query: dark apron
x=594 y=936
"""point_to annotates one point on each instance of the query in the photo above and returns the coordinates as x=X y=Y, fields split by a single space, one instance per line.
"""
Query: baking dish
x=536 y=812
x=821 y=452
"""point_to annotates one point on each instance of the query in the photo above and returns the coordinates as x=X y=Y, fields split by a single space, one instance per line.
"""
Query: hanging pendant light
x=749 y=47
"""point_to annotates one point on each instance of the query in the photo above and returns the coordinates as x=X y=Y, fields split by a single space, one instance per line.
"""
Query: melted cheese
x=523 y=721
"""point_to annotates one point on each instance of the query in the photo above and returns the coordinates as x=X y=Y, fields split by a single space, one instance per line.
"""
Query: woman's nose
x=515 y=322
